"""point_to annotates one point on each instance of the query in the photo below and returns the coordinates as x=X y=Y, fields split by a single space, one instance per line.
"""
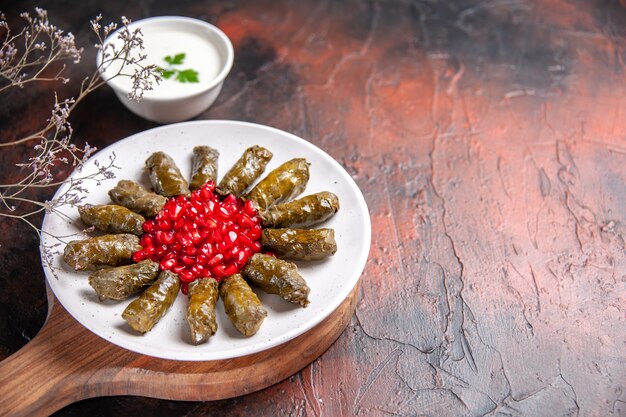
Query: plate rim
x=355 y=276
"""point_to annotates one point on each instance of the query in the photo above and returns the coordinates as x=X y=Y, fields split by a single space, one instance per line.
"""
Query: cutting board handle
x=43 y=376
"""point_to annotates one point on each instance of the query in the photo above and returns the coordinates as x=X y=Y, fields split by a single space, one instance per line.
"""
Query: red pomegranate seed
x=215 y=236
x=168 y=238
x=202 y=259
x=166 y=209
x=224 y=213
x=243 y=239
x=160 y=251
x=196 y=237
x=140 y=255
x=159 y=237
x=179 y=224
x=164 y=224
x=255 y=232
x=218 y=270
x=249 y=208
x=146 y=240
x=168 y=263
x=207 y=249
x=188 y=226
x=230 y=269
x=176 y=212
x=177 y=268
x=209 y=222
x=234 y=252
x=206 y=193
x=215 y=260
x=188 y=260
x=245 y=221
x=169 y=255
x=186 y=275
x=230 y=199
x=221 y=246
x=185 y=239
x=241 y=257
x=148 y=226
x=199 y=271
x=200 y=236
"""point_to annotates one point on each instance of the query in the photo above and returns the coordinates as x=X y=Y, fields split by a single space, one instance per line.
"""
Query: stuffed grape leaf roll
x=275 y=276
x=300 y=244
x=204 y=166
x=203 y=295
x=247 y=169
x=242 y=306
x=282 y=184
x=123 y=281
x=303 y=212
x=136 y=198
x=165 y=176
x=96 y=252
x=112 y=218
x=144 y=312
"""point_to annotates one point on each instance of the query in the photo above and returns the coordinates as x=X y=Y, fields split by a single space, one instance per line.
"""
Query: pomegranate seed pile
x=202 y=236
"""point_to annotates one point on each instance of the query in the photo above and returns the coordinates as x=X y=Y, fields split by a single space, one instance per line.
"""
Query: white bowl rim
x=219 y=78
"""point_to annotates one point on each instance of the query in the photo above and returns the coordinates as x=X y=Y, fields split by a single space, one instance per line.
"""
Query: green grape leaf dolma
x=112 y=218
x=96 y=252
x=203 y=295
x=275 y=276
x=303 y=212
x=300 y=244
x=242 y=306
x=144 y=312
x=204 y=166
x=247 y=169
x=136 y=198
x=165 y=176
x=123 y=281
x=282 y=184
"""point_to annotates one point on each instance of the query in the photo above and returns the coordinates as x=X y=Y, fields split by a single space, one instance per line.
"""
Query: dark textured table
x=489 y=139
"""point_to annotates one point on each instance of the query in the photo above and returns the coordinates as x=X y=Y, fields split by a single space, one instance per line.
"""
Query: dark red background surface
x=489 y=140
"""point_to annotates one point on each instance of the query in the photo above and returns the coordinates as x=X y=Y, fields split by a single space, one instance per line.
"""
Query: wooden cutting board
x=66 y=362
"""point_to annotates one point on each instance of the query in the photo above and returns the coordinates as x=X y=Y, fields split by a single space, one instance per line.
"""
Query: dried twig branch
x=28 y=56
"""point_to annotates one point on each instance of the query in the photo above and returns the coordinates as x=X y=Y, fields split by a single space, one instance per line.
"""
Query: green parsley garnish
x=182 y=76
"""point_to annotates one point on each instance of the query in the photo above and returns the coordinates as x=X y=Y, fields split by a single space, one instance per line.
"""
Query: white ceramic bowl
x=207 y=51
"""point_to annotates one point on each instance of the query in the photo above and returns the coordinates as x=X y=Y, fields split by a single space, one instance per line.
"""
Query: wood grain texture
x=66 y=363
x=489 y=139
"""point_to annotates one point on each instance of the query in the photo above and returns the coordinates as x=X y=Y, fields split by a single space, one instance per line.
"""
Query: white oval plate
x=330 y=280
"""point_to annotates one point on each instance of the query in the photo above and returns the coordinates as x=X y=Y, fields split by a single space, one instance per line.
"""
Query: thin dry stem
x=28 y=56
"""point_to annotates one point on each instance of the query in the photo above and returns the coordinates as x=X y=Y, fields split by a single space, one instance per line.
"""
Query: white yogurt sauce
x=159 y=42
